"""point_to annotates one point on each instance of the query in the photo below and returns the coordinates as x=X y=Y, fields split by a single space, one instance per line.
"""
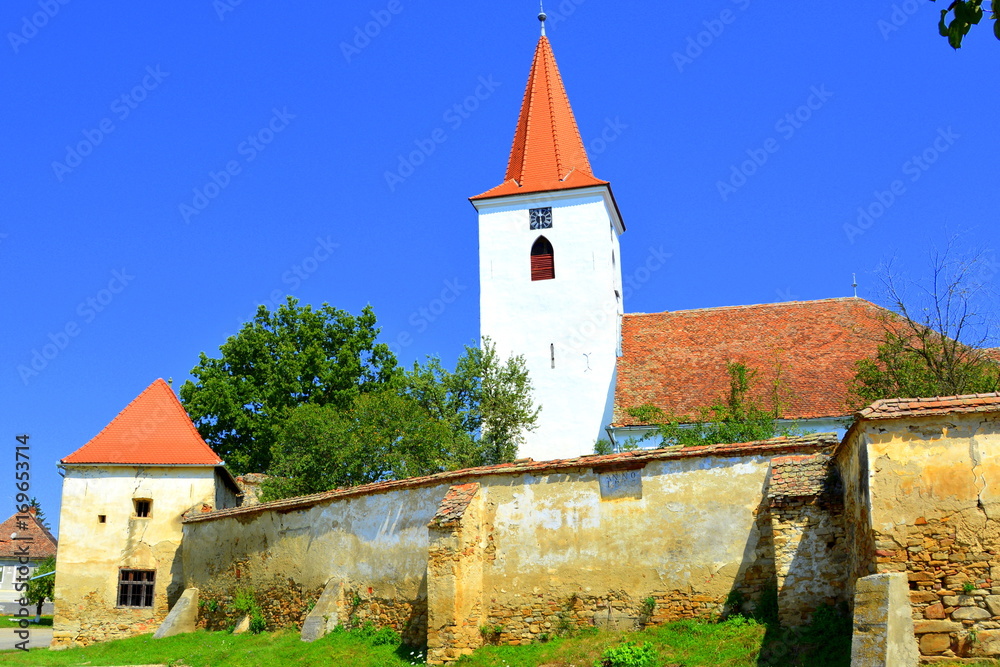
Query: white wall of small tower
x=576 y=315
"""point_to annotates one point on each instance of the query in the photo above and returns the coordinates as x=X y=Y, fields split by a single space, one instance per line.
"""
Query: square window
x=143 y=507
x=102 y=518
x=540 y=218
x=135 y=588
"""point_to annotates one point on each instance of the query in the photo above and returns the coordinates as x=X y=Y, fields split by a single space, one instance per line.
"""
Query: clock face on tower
x=540 y=218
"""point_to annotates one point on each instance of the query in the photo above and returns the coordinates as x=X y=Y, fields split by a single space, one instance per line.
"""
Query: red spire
x=153 y=429
x=548 y=153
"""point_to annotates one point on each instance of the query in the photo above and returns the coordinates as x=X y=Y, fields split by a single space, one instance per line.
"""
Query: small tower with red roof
x=124 y=494
x=549 y=268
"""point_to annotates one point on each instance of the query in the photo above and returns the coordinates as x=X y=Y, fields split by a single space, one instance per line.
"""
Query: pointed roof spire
x=548 y=152
x=154 y=429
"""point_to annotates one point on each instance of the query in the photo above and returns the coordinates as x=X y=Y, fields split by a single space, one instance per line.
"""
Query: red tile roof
x=677 y=360
x=892 y=408
x=548 y=152
x=23 y=530
x=816 y=442
x=153 y=429
x=801 y=476
x=452 y=507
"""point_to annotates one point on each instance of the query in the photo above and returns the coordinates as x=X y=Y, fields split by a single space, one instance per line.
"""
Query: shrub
x=628 y=654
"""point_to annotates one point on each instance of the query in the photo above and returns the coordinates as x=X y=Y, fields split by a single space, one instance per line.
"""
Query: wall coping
x=770 y=448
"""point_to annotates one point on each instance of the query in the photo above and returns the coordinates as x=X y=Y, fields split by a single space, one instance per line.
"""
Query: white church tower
x=549 y=269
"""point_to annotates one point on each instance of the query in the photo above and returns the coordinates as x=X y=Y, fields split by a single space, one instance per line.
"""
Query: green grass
x=738 y=642
x=12 y=622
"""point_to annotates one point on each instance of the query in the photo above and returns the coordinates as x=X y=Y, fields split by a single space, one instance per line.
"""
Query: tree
x=278 y=361
x=936 y=339
x=381 y=436
x=491 y=402
x=429 y=421
x=41 y=589
x=964 y=14
x=39 y=514
x=735 y=418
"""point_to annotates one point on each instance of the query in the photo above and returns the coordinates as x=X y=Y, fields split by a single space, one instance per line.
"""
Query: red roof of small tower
x=153 y=429
x=548 y=153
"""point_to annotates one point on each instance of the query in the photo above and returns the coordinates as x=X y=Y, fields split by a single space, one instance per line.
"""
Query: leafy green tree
x=40 y=590
x=737 y=418
x=488 y=400
x=381 y=436
x=963 y=14
x=280 y=360
x=429 y=421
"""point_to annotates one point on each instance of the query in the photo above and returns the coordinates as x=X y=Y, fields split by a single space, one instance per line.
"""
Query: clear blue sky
x=117 y=113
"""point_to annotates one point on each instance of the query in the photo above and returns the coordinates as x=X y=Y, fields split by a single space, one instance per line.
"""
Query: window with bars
x=143 y=507
x=135 y=588
x=542 y=260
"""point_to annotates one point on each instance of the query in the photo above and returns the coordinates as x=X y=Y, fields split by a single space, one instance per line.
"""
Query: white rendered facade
x=567 y=328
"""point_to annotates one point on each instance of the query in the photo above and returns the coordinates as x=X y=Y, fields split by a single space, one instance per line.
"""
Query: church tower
x=549 y=269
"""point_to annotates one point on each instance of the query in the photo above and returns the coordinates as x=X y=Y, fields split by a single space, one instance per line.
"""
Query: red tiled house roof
x=154 y=429
x=548 y=152
x=677 y=360
x=25 y=529
x=892 y=408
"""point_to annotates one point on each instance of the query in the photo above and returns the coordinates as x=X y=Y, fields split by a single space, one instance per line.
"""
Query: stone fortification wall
x=510 y=553
x=935 y=515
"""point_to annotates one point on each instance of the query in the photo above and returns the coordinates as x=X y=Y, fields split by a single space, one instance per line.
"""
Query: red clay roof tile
x=153 y=429
x=548 y=152
x=25 y=530
x=893 y=408
x=677 y=360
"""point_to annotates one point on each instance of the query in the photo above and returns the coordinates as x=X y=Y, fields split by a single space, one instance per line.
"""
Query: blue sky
x=170 y=167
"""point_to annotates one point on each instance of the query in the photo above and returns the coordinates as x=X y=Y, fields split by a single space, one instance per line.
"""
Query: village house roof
x=154 y=429
x=893 y=408
x=25 y=529
x=816 y=442
x=548 y=152
x=677 y=360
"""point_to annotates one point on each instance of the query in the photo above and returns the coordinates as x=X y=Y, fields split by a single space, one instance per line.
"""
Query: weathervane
x=854 y=283
x=541 y=16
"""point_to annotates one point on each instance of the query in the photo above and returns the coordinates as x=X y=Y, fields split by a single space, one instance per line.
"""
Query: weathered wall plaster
x=92 y=552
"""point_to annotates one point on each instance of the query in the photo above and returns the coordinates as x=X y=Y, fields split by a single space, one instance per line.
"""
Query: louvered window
x=542 y=264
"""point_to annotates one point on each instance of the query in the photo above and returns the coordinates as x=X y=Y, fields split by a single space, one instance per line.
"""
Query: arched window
x=542 y=264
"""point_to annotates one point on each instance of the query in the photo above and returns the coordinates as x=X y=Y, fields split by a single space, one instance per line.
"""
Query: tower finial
x=541 y=16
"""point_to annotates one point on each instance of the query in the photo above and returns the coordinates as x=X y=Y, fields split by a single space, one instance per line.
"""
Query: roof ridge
x=774 y=304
